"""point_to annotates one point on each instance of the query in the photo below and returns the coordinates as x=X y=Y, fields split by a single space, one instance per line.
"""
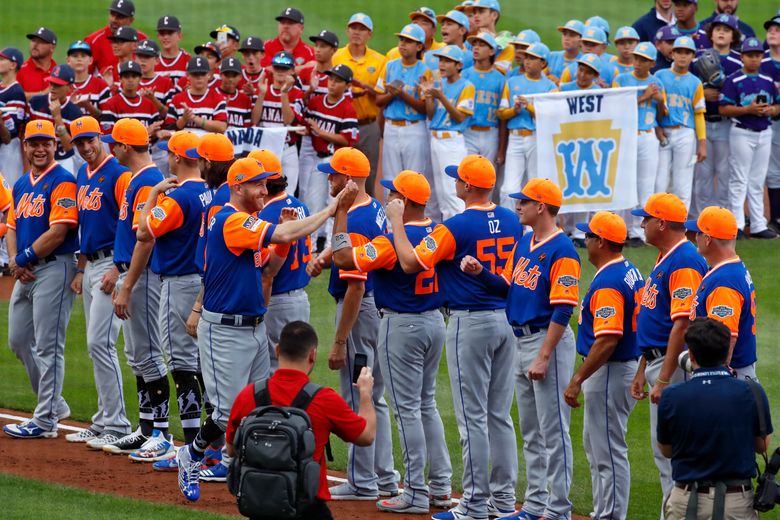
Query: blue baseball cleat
x=189 y=474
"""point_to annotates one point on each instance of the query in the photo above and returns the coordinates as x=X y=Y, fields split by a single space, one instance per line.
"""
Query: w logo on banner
x=586 y=154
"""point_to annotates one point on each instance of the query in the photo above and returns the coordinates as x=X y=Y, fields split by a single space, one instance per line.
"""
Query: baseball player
x=89 y=91
x=158 y=87
x=123 y=43
x=651 y=103
x=455 y=31
x=518 y=112
x=198 y=108
x=770 y=66
x=210 y=51
x=42 y=238
x=519 y=44
x=137 y=292
x=121 y=13
x=601 y=23
x=290 y=29
x=424 y=18
x=685 y=13
x=173 y=59
x=370 y=472
x=726 y=292
x=683 y=126
x=711 y=176
x=626 y=40
x=411 y=340
x=12 y=96
x=594 y=41
x=228 y=40
x=480 y=350
x=606 y=339
x=100 y=183
x=482 y=134
x=231 y=334
x=751 y=102
x=664 y=41
x=252 y=52
x=664 y=309
x=483 y=16
x=127 y=102
x=449 y=105
x=237 y=103
x=571 y=34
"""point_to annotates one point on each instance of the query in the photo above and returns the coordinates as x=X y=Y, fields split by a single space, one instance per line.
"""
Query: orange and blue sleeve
x=683 y=284
x=565 y=282
x=121 y=185
x=63 y=205
x=725 y=305
x=165 y=217
x=11 y=218
x=438 y=246
x=139 y=203
x=607 y=308
x=243 y=231
x=6 y=199
x=358 y=240
x=377 y=254
x=509 y=267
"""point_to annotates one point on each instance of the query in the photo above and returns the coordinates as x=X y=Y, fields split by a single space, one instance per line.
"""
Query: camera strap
x=755 y=389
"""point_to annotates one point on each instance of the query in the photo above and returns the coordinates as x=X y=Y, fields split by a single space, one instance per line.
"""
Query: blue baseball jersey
x=488 y=85
x=172 y=223
x=607 y=71
x=488 y=233
x=39 y=109
x=393 y=288
x=730 y=62
x=232 y=283
x=365 y=221
x=219 y=198
x=558 y=62
x=100 y=194
x=541 y=275
x=521 y=86
x=292 y=275
x=432 y=62
x=668 y=294
x=771 y=68
x=684 y=97
x=621 y=68
x=461 y=95
x=742 y=89
x=572 y=85
x=42 y=202
x=138 y=188
x=609 y=308
x=12 y=97
x=727 y=294
x=409 y=76
x=648 y=110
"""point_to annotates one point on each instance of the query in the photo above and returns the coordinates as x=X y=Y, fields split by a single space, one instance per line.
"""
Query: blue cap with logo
x=283 y=60
x=413 y=32
x=646 y=50
x=450 y=52
x=597 y=21
x=539 y=50
x=490 y=4
x=456 y=16
x=592 y=61
x=426 y=12
x=526 y=37
x=595 y=34
x=61 y=75
x=775 y=20
x=485 y=37
x=752 y=45
x=79 y=46
x=627 y=33
x=13 y=54
x=684 y=42
x=727 y=20
x=362 y=19
x=573 y=25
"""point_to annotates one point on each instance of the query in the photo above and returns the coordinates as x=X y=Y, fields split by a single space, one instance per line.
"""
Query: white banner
x=586 y=141
x=247 y=139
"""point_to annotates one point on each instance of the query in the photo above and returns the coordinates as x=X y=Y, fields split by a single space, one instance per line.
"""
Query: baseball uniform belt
x=704 y=487
x=652 y=354
x=438 y=134
x=170 y=276
x=100 y=254
x=713 y=119
x=674 y=127
x=232 y=320
x=401 y=122
x=640 y=132
x=323 y=155
x=46 y=260
x=743 y=127
x=366 y=121
x=524 y=132
x=123 y=267
x=481 y=128
x=526 y=330
x=365 y=295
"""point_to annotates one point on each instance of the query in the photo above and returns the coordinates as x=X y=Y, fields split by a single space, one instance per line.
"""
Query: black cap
x=44 y=34
x=125 y=34
x=210 y=47
x=12 y=54
x=341 y=71
x=292 y=14
x=198 y=64
x=326 y=36
x=230 y=65
x=252 y=43
x=148 y=48
x=231 y=31
x=123 y=7
x=62 y=74
x=283 y=60
x=129 y=67
x=168 y=23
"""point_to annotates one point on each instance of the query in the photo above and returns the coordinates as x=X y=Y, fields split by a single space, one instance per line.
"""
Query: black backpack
x=273 y=474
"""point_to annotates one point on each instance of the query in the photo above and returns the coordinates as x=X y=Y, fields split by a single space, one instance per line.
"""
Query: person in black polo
x=661 y=14
x=710 y=427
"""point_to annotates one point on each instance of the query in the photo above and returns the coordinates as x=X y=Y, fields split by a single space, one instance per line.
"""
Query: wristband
x=662 y=381
x=26 y=257
x=341 y=241
x=197 y=311
x=203 y=122
x=340 y=341
x=80 y=271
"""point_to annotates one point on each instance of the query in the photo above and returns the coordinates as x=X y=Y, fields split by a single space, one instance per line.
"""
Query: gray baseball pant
x=544 y=424
x=410 y=348
x=38 y=316
x=480 y=359
x=177 y=296
x=368 y=467
x=284 y=308
x=102 y=332
x=608 y=403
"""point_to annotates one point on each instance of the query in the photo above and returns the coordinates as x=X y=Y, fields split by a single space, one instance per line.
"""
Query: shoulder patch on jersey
x=158 y=213
x=605 y=312
x=567 y=281
x=66 y=203
x=252 y=223
x=722 y=311
x=371 y=252
x=140 y=206
x=430 y=243
x=682 y=292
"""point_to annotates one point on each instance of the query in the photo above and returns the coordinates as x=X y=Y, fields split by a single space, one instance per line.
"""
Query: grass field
x=645 y=493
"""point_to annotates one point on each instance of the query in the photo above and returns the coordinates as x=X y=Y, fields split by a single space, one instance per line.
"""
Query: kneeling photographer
x=711 y=427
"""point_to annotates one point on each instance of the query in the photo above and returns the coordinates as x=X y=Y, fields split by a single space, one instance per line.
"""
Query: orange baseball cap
x=128 y=131
x=86 y=126
x=269 y=160
x=715 y=222
x=39 y=128
x=246 y=170
x=607 y=225
x=214 y=147
x=412 y=185
x=665 y=206
x=475 y=170
x=180 y=143
x=540 y=190
x=347 y=161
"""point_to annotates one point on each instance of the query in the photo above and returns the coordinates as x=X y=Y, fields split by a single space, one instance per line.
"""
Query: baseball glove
x=708 y=68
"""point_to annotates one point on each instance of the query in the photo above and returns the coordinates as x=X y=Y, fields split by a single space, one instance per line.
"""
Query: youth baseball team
x=135 y=176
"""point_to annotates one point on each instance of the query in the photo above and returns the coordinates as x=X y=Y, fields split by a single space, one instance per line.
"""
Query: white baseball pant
x=11 y=161
x=307 y=161
x=318 y=194
x=519 y=167
x=748 y=161
x=773 y=172
x=675 y=163
x=647 y=149
x=447 y=148
x=711 y=176
x=289 y=160
x=482 y=142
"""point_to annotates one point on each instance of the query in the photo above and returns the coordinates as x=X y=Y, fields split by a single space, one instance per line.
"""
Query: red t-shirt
x=239 y=109
x=272 y=109
x=302 y=53
x=94 y=88
x=339 y=118
x=161 y=85
x=102 y=53
x=118 y=107
x=329 y=413
x=210 y=106
x=32 y=78
x=175 y=68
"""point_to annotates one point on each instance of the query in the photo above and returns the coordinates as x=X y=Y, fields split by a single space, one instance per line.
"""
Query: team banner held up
x=586 y=141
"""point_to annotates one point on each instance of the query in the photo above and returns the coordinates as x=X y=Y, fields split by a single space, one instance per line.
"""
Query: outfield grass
x=645 y=493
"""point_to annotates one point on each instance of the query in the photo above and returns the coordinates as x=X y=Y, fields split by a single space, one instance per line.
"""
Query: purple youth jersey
x=742 y=89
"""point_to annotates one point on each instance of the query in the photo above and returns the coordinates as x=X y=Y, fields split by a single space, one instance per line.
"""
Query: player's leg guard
x=145 y=410
x=159 y=395
x=188 y=396
x=210 y=432
x=207 y=404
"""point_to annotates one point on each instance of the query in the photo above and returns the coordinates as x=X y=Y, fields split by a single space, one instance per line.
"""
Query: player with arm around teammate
x=411 y=341
x=480 y=349
x=606 y=339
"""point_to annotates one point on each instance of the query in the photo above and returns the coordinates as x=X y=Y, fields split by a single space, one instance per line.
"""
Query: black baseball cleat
x=765 y=234
x=127 y=444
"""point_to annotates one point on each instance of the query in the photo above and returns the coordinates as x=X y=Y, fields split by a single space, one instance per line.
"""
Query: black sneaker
x=127 y=444
x=766 y=234
x=774 y=225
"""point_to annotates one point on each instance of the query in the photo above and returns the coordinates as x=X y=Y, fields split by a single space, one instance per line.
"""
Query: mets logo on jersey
x=30 y=207
x=89 y=200
x=649 y=295
x=524 y=277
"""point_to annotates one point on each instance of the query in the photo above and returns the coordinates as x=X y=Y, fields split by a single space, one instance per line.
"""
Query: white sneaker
x=104 y=439
x=83 y=436
x=158 y=447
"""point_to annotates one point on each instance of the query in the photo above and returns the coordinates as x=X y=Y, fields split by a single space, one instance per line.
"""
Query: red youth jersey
x=120 y=106
x=94 y=88
x=161 y=85
x=272 y=109
x=322 y=80
x=174 y=68
x=239 y=109
x=302 y=53
x=102 y=53
x=251 y=78
x=210 y=105
x=183 y=83
x=329 y=413
x=339 y=118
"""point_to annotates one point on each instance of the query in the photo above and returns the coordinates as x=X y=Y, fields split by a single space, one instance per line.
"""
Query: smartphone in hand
x=361 y=360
